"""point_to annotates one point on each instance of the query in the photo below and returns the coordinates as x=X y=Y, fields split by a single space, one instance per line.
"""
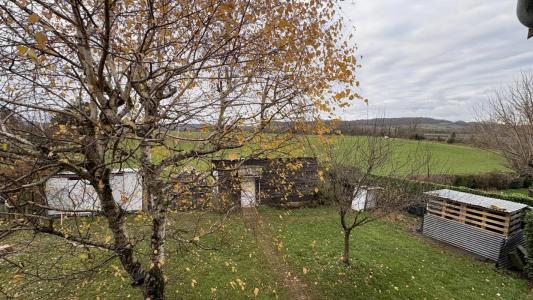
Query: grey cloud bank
x=434 y=58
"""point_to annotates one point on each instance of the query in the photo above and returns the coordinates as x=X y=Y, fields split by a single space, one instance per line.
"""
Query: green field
x=445 y=158
x=388 y=262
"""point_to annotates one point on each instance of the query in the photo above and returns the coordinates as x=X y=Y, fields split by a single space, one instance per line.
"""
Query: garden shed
x=488 y=227
x=365 y=198
x=65 y=191
x=273 y=181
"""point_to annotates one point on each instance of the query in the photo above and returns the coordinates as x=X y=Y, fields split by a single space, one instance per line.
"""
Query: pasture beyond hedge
x=446 y=158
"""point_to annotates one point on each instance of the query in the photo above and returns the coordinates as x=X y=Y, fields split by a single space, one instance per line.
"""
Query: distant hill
x=418 y=123
x=409 y=121
x=399 y=127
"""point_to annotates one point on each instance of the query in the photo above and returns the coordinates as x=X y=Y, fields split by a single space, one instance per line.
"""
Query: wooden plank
x=483 y=220
x=481 y=224
x=470 y=208
x=462 y=213
x=467 y=217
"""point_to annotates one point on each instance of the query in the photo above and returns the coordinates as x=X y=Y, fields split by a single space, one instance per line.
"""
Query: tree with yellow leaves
x=124 y=76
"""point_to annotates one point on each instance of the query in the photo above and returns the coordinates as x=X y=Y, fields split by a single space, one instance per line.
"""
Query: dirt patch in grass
x=268 y=246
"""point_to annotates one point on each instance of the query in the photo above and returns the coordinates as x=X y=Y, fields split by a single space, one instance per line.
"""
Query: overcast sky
x=435 y=58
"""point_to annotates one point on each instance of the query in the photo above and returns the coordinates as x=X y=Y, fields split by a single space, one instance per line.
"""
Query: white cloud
x=435 y=58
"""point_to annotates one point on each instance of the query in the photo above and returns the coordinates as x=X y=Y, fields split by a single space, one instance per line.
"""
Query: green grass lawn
x=387 y=262
x=520 y=192
x=233 y=271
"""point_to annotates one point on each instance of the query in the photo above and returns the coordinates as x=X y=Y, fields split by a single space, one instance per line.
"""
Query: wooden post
x=484 y=219
x=462 y=213
x=506 y=226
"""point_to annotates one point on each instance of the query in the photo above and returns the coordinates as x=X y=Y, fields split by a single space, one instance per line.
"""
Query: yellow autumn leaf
x=33 y=18
x=41 y=39
x=21 y=50
x=233 y=156
x=123 y=198
x=62 y=128
x=177 y=187
x=107 y=239
x=17 y=278
x=193 y=283
x=31 y=54
x=305 y=270
x=256 y=292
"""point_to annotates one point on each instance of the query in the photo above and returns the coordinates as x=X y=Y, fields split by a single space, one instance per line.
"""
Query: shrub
x=428 y=186
x=493 y=180
x=466 y=181
x=452 y=138
x=517 y=183
x=528 y=236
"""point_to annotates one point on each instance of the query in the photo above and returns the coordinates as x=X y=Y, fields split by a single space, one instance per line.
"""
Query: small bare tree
x=507 y=125
x=362 y=181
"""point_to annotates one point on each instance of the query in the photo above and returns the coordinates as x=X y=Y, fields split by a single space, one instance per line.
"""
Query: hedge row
x=425 y=186
x=528 y=235
x=483 y=181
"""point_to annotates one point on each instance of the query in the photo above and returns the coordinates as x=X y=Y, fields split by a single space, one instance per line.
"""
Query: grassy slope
x=387 y=262
x=446 y=158
x=217 y=273
x=457 y=159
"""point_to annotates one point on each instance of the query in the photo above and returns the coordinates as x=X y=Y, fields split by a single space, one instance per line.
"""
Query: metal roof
x=482 y=201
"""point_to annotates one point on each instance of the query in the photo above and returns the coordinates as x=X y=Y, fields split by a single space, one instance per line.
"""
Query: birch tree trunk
x=115 y=219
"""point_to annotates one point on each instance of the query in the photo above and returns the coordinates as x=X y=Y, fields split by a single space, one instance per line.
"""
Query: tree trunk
x=122 y=245
x=155 y=281
x=346 y=253
x=154 y=287
x=530 y=191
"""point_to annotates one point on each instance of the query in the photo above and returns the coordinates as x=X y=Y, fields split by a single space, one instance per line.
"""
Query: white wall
x=364 y=199
x=74 y=194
